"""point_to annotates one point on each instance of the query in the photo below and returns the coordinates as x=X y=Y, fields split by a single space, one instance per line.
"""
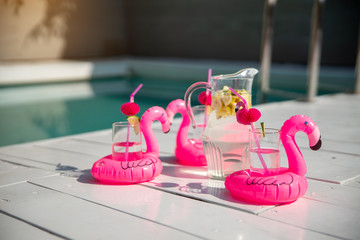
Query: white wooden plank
x=333 y=220
x=78 y=146
x=199 y=218
x=331 y=167
x=341 y=146
x=330 y=145
x=26 y=162
x=103 y=136
x=337 y=116
x=355 y=183
x=12 y=174
x=75 y=218
x=340 y=195
x=13 y=229
x=54 y=159
x=333 y=106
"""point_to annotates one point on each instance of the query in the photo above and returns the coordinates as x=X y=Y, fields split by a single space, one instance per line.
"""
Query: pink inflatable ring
x=113 y=171
x=257 y=188
x=149 y=167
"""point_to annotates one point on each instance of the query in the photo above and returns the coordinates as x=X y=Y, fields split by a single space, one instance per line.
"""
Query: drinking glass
x=266 y=143
x=126 y=141
x=200 y=117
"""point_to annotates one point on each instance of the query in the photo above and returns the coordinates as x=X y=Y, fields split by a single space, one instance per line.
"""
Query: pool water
x=53 y=118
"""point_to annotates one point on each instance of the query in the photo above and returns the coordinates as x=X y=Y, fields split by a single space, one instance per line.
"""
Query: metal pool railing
x=313 y=64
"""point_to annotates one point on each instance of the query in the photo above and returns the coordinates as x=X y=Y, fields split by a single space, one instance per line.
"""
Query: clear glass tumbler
x=201 y=117
x=265 y=145
x=126 y=141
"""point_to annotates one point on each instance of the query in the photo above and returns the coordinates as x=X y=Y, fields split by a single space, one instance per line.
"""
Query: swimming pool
x=28 y=119
x=45 y=114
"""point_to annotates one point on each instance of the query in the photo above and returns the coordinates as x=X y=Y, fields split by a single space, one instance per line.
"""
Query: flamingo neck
x=152 y=146
x=182 y=135
x=296 y=160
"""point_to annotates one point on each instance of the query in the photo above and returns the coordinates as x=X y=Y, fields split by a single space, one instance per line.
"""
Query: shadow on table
x=199 y=188
x=83 y=176
x=173 y=169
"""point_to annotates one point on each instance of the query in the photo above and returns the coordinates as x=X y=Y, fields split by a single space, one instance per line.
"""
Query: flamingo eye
x=306 y=123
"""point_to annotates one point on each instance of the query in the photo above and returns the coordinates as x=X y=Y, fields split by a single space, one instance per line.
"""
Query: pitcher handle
x=187 y=98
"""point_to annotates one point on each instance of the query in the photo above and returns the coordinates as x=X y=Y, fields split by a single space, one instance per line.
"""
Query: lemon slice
x=135 y=122
x=226 y=98
x=224 y=112
x=216 y=104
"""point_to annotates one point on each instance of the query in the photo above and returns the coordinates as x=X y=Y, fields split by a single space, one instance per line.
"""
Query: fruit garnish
x=135 y=122
x=203 y=99
x=245 y=116
x=130 y=108
x=216 y=104
x=262 y=124
x=226 y=98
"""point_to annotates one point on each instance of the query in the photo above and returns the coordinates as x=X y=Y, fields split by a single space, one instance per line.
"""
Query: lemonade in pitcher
x=224 y=139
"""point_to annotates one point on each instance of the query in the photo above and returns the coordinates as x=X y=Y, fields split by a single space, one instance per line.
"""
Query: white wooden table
x=47 y=191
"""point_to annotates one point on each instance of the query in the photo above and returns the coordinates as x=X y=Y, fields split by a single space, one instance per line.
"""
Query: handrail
x=266 y=47
x=314 y=51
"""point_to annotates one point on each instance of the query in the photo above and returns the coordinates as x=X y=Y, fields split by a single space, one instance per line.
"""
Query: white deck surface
x=47 y=191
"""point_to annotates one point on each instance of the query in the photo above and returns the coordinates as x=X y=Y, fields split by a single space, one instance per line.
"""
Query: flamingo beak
x=166 y=127
x=317 y=145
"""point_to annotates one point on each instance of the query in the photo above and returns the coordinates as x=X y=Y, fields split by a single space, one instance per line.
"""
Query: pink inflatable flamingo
x=187 y=151
x=290 y=183
x=114 y=171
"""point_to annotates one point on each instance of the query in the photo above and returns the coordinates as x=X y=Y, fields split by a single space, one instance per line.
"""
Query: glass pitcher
x=224 y=139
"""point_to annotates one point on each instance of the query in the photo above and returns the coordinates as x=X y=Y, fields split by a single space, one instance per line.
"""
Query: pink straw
x=133 y=94
x=253 y=129
x=128 y=129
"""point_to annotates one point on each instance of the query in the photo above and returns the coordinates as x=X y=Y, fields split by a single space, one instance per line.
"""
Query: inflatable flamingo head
x=173 y=108
x=153 y=114
x=305 y=124
x=165 y=123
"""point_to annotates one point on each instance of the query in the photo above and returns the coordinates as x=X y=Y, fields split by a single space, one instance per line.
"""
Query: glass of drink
x=200 y=116
x=268 y=146
x=126 y=141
